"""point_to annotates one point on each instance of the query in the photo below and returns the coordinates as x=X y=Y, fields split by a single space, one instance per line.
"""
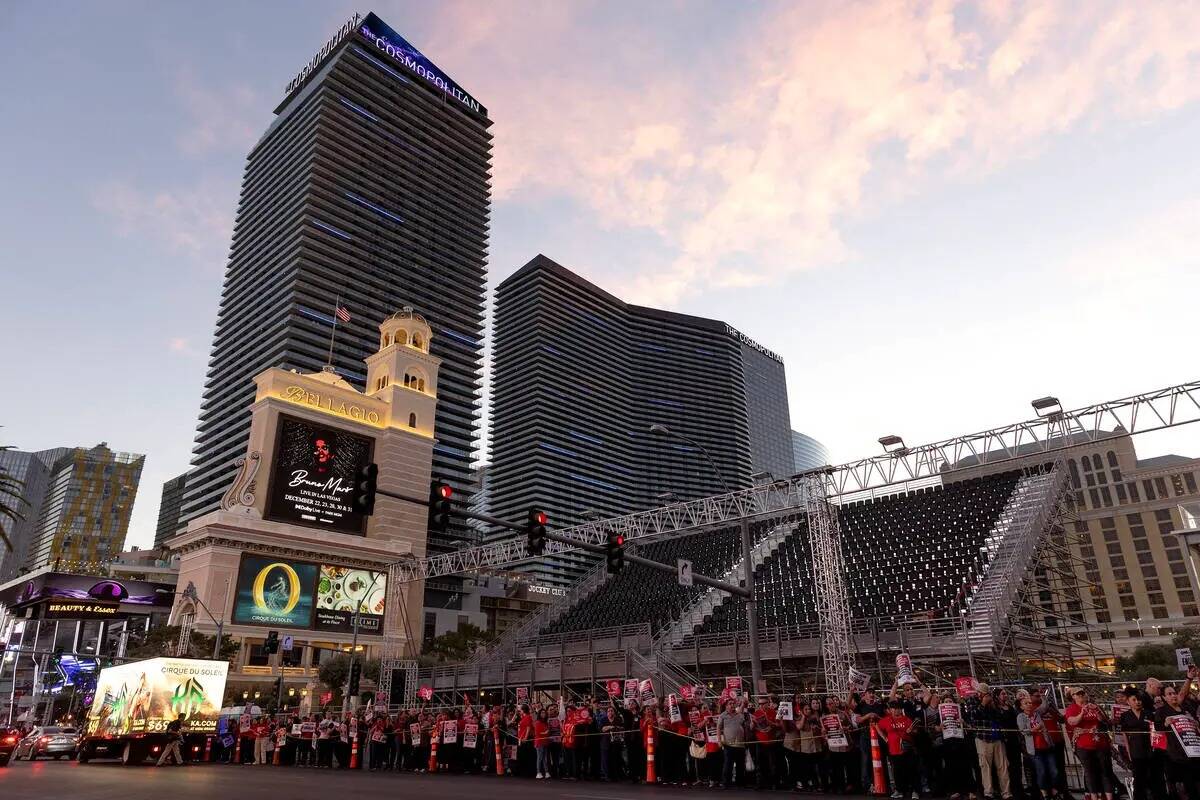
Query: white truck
x=135 y=702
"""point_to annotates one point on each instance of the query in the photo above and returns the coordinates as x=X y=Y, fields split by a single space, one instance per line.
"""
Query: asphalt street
x=105 y=780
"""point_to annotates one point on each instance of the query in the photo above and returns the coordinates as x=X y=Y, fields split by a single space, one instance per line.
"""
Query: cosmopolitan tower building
x=369 y=190
x=579 y=378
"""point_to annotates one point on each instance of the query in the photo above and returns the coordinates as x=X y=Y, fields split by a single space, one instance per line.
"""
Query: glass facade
x=807 y=452
x=370 y=188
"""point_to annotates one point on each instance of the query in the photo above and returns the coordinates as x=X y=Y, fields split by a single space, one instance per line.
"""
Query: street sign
x=685 y=572
x=286 y=644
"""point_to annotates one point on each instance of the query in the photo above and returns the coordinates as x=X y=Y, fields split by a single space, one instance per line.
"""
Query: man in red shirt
x=526 y=755
x=898 y=728
x=767 y=738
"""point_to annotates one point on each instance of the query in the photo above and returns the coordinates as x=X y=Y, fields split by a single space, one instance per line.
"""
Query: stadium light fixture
x=666 y=498
x=893 y=444
x=1047 y=406
x=759 y=478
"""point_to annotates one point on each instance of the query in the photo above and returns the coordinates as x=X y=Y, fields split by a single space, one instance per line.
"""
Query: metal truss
x=1141 y=413
x=829 y=585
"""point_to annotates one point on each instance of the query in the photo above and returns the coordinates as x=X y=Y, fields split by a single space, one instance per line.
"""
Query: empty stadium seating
x=904 y=554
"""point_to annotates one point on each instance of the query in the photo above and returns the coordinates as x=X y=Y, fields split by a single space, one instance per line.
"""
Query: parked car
x=53 y=741
x=8 y=742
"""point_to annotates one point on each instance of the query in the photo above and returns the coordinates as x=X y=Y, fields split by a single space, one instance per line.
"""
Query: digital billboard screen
x=88 y=589
x=275 y=592
x=313 y=474
x=299 y=594
x=339 y=589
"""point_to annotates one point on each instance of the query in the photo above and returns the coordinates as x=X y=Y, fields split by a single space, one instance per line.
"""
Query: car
x=53 y=741
x=8 y=742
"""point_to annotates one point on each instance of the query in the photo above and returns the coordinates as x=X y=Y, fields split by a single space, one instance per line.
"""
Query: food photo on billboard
x=340 y=589
x=313 y=475
x=273 y=591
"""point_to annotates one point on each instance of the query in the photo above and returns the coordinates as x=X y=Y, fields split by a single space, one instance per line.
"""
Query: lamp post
x=751 y=602
x=354 y=642
x=190 y=593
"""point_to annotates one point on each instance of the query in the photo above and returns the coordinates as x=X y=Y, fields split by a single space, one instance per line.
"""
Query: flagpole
x=336 y=302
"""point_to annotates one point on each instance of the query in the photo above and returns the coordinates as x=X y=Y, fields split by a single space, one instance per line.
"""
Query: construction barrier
x=433 y=743
x=880 y=781
x=280 y=740
x=208 y=748
x=651 y=777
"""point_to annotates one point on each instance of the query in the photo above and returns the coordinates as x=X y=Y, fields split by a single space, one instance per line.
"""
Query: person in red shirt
x=541 y=743
x=1084 y=722
x=898 y=728
x=526 y=755
x=262 y=732
x=767 y=737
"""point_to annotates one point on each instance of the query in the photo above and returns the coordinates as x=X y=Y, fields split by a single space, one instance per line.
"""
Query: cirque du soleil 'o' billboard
x=299 y=594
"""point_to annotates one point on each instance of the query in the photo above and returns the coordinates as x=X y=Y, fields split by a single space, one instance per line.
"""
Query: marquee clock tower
x=287 y=551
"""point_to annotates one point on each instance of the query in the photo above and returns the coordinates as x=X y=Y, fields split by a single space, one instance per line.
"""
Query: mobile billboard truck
x=135 y=702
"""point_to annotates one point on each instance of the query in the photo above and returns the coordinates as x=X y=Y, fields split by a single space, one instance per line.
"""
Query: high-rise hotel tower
x=369 y=190
x=579 y=378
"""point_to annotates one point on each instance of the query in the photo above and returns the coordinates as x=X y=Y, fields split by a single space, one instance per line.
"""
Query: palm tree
x=11 y=500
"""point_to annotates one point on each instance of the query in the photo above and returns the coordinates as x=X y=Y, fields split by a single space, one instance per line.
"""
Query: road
x=103 y=780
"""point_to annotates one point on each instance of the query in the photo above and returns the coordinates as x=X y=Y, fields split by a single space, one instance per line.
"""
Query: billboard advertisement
x=144 y=696
x=87 y=589
x=274 y=592
x=313 y=473
x=340 y=589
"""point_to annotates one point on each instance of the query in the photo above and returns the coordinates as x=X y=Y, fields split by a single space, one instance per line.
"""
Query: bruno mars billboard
x=313 y=475
x=298 y=594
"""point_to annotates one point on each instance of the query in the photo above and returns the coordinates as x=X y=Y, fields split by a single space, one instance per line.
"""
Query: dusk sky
x=934 y=212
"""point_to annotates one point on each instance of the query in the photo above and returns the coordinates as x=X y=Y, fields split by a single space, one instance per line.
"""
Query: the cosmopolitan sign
x=392 y=44
x=746 y=340
x=330 y=46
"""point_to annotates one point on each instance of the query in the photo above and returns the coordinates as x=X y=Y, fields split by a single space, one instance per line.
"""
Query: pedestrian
x=898 y=729
x=174 y=738
x=1038 y=748
x=986 y=718
x=1136 y=728
x=541 y=744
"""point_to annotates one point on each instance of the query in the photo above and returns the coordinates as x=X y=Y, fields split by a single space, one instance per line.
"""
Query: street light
x=893 y=445
x=1047 y=406
x=747 y=563
x=189 y=593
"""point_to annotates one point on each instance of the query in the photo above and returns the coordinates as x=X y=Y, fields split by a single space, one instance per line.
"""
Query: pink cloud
x=195 y=222
x=748 y=161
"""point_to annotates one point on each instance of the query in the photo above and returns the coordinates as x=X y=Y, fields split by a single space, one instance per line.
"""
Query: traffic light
x=271 y=645
x=439 y=505
x=615 y=553
x=364 y=489
x=535 y=532
x=355 y=673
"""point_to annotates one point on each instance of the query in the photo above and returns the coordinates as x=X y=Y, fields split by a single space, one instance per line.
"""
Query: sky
x=933 y=211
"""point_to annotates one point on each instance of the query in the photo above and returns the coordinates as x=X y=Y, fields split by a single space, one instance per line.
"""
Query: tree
x=162 y=640
x=1157 y=660
x=12 y=498
x=456 y=645
x=335 y=671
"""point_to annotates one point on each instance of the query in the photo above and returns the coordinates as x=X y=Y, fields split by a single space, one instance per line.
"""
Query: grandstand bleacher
x=907 y=554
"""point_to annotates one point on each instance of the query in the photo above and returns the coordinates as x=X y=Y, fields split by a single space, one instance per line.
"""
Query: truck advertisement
x=142 y=697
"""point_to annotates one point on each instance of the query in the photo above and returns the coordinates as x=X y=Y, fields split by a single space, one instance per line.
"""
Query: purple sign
x=63 y=586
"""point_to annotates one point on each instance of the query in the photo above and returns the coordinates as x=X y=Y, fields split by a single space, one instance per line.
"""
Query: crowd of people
x=911 y=741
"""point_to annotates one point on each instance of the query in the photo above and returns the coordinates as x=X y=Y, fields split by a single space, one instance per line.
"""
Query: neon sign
x=397 y=48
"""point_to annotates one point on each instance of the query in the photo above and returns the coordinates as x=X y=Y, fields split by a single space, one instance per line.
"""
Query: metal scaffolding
x=829 y=583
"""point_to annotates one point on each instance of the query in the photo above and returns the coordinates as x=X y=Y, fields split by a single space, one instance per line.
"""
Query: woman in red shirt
x=1085 y=725
x=541 y=743
x=898 y=728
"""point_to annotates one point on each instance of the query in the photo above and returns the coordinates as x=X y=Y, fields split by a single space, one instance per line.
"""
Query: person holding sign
x=835 y=723
x=1183 y=745
x=1086 y=723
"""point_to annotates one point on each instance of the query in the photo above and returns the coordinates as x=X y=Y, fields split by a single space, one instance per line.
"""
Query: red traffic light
x=541 y=518
x=446 y=491
x=620 y=540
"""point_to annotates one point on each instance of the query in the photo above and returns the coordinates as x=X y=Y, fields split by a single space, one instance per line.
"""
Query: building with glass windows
x=370 y=190
x=169 y=508
x=33 y=471
x=579 y=376
x=84 y=508
x=807 y=453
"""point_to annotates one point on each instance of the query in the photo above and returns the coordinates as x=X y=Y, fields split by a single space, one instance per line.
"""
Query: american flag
x=343 y=314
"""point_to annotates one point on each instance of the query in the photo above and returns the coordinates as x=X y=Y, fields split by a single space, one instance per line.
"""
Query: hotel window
x=1122 y=497
x=1107 y=495
x=1177 y=484
x=1190 y=480
x=412 y=420
x=1074 y=473
x=402 y=337
x=1149 y=487
x=1094 y=495
x=1161 y=485
x=1133 y=492
x=1160 y=612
